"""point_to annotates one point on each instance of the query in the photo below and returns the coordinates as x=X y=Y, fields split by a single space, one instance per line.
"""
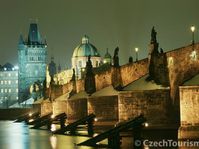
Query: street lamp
x=136 y=51
x=192 y=30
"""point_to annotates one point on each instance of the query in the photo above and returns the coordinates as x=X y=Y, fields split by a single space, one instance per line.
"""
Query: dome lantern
x=85 y=40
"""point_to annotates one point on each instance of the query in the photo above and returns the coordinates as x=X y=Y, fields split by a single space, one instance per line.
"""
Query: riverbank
x=13 y=113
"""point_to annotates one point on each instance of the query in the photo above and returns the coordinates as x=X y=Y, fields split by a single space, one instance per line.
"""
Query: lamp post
x=192 y=30
x=136 y=52
x=193 y=54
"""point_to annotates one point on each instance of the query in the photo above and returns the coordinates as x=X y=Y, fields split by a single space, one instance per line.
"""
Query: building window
x=97 y=63
x=36 y=72
x=16 y=74
x=170 y=61
x=9 y=74
x=1 y=82
x=17 y=97
x=17 y=90
x=39 y=58
x=80 y=64
x=9 y=90
x=9 y=82
x=193 y=55
x=5 y=82
x=6 y=90
x=16 y=81
x=1 y=90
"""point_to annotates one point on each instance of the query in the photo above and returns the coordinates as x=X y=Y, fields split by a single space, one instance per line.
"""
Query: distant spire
x=21 y=41
x=59 y=68
x=107 y=55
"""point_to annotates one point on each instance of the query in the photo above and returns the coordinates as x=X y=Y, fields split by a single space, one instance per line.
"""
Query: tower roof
x=8 y=66
x=34 y=35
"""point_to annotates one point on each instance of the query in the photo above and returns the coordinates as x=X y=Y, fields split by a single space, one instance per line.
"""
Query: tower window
x=31 y=58
x=36 y=72
x=9 y=90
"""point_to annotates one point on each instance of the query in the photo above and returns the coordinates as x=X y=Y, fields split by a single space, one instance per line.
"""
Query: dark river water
x=20 y=136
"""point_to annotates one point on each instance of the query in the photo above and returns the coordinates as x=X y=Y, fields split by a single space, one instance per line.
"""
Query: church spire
x=21 y=41
x=59 y=68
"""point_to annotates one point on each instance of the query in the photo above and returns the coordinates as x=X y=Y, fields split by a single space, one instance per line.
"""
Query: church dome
x=85 y=49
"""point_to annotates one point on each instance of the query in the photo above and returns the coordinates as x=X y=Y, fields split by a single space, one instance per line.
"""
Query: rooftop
x=192 y=82
x=142 y=84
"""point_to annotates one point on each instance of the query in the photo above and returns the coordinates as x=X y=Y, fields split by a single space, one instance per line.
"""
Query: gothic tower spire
x=34 y=35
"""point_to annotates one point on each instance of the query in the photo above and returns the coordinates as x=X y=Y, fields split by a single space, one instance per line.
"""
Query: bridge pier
x=49 y=125
x=90 y=127
x=137 y=139
x=113 y=135
x=62 y=122
x=73 y=126
x=114 y=141
x=73 y=131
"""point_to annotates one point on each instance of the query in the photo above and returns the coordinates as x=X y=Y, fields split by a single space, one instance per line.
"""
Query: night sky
x=108 y=23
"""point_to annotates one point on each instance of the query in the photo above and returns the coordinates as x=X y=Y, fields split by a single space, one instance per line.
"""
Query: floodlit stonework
x=154 y=94
x=32 y=55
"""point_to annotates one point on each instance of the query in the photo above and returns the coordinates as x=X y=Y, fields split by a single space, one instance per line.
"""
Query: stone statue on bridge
x=116 y=58
x=73 y=76
x=153 y=35
x=89 y=84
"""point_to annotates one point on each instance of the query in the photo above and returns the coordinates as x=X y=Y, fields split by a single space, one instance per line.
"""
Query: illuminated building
x=8 y=85
x=32 y=55
x=80 y=56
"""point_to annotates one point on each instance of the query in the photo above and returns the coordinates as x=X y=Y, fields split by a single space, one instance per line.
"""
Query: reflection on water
x=53 y=141
x=19 y=136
